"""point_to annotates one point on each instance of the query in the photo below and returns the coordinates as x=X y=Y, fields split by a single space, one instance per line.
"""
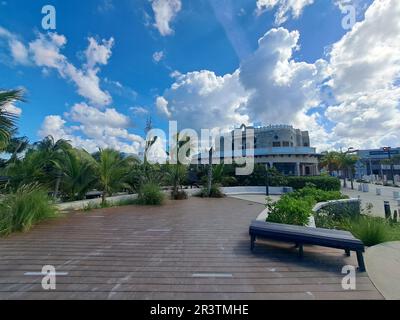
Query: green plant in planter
x=290 y=210
x=370 y=230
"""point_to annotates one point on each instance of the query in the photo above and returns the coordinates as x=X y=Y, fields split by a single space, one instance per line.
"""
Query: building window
x=276 y=144
x=285 y=144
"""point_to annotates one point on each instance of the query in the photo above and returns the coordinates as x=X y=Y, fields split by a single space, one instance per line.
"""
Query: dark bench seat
x=312 y=236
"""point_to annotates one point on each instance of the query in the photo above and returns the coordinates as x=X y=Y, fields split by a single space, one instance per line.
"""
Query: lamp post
x=266 y=180
x=349 y=151
x=389 y=151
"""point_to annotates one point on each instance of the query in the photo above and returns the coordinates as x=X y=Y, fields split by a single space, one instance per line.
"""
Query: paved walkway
x=383 y=265
x=371 y=197
x=194 y=249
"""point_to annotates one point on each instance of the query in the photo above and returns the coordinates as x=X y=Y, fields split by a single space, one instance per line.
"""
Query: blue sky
x=202 y=45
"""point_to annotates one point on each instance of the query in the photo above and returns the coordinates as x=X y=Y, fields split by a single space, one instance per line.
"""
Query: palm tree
x=331 y=161
x=112 y=171
x=347 y=163
x=8 y=119
x=177 y=172
x=53 y=152
x=78 y=174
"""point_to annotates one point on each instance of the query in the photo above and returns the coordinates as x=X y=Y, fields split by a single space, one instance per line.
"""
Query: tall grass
x=26 y=207
x=370 y=230
x=150 y=194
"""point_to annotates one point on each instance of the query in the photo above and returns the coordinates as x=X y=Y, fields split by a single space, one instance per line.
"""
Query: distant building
x=280 y=146
x=370 y=163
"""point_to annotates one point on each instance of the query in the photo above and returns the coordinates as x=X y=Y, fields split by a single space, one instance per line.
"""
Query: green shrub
x=26 y=207
x=179 y=195
x=290 y=210
x=319 y=195
x=370 y=230
x=326 y=183
x=216 y=192
x=150 y=194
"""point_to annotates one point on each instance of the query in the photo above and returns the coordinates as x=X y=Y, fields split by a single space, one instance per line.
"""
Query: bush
x=370 y=230
x=290 y=210
x=319 y=195
x=150 y=194
x=216 y=192
x=179 y=195
x=326 y=183
x=26 y=207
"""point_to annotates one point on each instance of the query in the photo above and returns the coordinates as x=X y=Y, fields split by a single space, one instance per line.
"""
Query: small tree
x=111 y=170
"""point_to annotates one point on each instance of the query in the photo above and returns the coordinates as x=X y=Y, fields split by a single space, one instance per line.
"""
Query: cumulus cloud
x=365 y=68
x=89 y=128
x=17 y=49
x=45 y=52
x=285 y=8
x=280 y=88
x=268 y=87
x=165 y=12
x=204 y=100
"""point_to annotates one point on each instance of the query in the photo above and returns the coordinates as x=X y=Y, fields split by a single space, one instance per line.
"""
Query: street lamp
x=266 y=180
x=389 y=151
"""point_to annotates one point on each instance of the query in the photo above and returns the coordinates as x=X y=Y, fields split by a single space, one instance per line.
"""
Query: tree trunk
x=58 y=182
x=351 y=179
x=210 y=155
x=345 y=178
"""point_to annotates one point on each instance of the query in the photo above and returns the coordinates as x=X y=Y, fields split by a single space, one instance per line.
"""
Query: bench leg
x=252 y=243
x=360 y=259
x=348 y=252
x=301 y=251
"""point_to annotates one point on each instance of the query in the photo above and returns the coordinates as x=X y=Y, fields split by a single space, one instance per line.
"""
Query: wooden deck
x=194 y=249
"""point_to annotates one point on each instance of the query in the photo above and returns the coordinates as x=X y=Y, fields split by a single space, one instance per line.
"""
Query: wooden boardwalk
x=194 y=249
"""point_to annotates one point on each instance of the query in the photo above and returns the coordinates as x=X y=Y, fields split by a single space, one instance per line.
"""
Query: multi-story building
x=370 y=163
x=280 y=146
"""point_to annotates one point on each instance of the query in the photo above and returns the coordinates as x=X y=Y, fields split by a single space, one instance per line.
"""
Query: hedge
x=321 y=182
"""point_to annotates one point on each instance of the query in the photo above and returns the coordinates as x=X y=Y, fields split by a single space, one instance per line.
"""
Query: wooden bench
x=312 y=236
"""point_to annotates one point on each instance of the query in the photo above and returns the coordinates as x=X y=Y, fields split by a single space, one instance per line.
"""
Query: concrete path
x=383 y=266
x=371 y=197
x=257 y=198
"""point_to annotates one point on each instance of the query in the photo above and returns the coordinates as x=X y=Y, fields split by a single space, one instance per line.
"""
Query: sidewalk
x=371 y=197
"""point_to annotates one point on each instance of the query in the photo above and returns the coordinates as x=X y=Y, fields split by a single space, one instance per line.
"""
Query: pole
x=266 y=181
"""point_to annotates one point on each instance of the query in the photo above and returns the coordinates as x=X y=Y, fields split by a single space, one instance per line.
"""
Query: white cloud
x=269 y=87
x=46 y=53
x=158 y=56
x=162 y=106
x=285 y=7
x=91 y=129
x=280 y=88
x=165 y=12
x=98 y=53
x=19 y=52
x=139 y=111
x=11 y=108
x=365 y=69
